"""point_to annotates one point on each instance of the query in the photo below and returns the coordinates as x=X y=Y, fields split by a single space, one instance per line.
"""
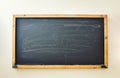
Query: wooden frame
x=61 y=66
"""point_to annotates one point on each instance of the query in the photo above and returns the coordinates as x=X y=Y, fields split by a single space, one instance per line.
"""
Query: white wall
x=10 y=7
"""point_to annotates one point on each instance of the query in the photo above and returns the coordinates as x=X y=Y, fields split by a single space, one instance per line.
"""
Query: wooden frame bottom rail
x=58 y=66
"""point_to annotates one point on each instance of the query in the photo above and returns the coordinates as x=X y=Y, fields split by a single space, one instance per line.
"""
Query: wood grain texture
x=59 y=15
x=106 y=40
x=59 y=67
x=13 y=40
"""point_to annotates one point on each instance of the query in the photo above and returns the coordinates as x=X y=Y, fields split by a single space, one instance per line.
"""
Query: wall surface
x=10 y=7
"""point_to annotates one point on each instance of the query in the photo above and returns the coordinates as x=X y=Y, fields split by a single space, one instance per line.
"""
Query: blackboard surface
x=59 y=41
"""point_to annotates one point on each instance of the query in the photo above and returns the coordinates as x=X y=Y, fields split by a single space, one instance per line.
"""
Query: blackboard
x=60 y=41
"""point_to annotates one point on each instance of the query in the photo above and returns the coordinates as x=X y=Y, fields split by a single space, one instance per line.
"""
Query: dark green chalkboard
x=59 y=41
